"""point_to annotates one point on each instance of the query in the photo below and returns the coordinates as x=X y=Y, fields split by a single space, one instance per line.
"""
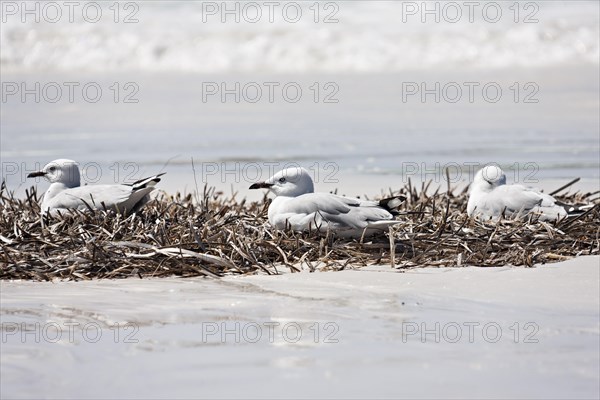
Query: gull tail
x=574 y=210
x=146 y=182
x=140 y=193
x=391 y=204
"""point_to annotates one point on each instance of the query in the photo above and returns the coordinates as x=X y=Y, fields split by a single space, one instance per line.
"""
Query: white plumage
x=65 y=192
x=490 y=197
x=297 y=206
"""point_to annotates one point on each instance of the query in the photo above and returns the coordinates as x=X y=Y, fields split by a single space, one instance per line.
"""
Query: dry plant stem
x=212 y=235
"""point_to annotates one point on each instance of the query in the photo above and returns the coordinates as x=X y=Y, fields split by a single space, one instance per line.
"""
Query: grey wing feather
x=520 y=200
x=514 y=198
x=323 y=202
x=323 y=209
x=122 y=198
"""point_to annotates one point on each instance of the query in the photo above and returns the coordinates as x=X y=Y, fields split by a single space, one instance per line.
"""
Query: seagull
x=490 y=197
x=65 y=192
x=297 y=206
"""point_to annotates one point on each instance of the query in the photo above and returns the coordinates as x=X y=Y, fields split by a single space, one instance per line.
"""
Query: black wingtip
x=574 y=210
x=142 y=183
x=391 y=204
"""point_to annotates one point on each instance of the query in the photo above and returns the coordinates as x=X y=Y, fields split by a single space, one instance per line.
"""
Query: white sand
x=368 y=311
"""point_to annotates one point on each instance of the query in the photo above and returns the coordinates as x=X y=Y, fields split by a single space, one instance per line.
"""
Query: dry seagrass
x=210 y=234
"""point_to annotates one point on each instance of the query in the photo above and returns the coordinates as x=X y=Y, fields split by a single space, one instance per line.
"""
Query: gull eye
x=52 y=169
x=281 y=180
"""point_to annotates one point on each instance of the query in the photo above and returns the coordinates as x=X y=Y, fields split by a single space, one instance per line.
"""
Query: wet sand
x=454 y=332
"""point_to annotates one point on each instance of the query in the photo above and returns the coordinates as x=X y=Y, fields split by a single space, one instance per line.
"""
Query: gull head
x=60 y=171
x=290 y=182
x=489 y=178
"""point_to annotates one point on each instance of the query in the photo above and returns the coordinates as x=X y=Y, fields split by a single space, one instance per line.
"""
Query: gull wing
x=324 y=210
x=520 y=200
x=119 y=198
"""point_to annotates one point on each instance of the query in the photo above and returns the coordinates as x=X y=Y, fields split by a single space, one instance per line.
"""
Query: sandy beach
x=372 y=332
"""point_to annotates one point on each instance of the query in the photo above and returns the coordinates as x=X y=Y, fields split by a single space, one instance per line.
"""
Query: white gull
x=490 y=197
x=298 y=207
x=65 y=192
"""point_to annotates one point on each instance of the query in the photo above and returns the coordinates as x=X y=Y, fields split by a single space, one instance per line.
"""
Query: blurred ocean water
x=304 y=36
